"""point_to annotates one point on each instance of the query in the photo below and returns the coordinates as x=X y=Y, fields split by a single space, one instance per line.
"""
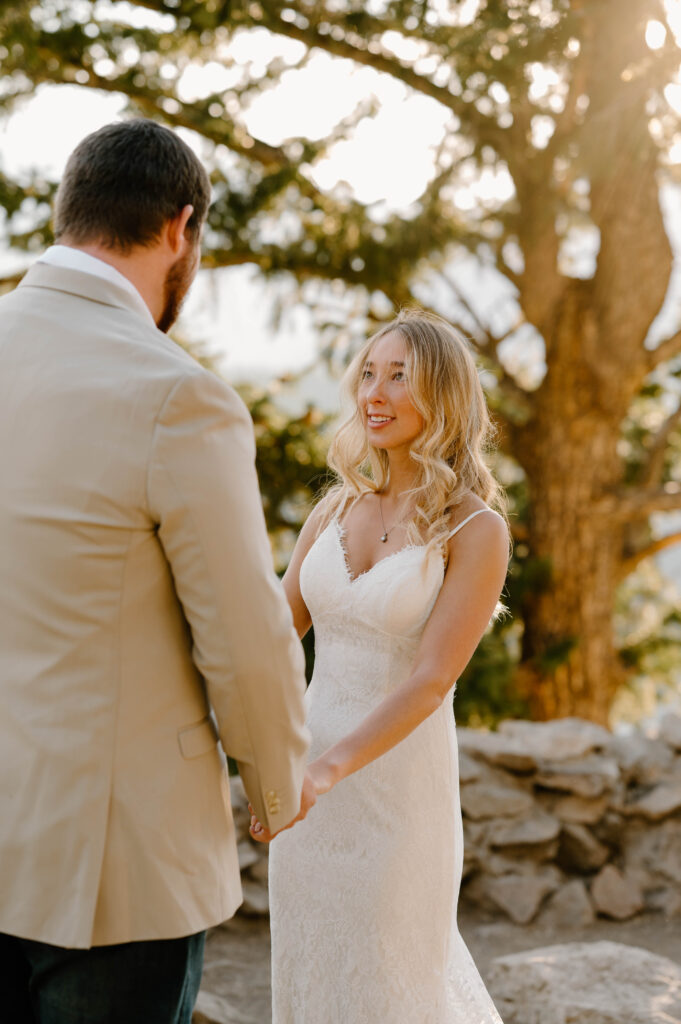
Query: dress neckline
x=341 y=533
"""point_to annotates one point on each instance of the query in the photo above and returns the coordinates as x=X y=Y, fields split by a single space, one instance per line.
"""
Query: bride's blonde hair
x=443 y=385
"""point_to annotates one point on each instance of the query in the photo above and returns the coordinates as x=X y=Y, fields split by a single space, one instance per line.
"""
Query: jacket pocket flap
x=198 y=739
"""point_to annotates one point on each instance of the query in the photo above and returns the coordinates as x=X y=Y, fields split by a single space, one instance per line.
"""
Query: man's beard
x=175 y=287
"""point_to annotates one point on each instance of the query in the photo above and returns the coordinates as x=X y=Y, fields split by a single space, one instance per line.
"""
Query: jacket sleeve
x=203 y=494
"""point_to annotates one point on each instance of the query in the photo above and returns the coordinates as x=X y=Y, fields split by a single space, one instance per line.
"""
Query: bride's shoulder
x=473 y=522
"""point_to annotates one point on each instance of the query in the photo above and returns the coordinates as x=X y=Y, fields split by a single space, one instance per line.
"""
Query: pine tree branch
x=666 y=350
x=654 y=465
x=630 y=563
x=10 y=281
x=352 y=46
x=627 y=506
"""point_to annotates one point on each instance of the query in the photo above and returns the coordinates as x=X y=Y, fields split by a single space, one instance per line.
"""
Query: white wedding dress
x=363 y=892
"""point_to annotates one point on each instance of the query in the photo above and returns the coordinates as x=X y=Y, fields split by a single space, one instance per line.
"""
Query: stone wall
x=563 y=820
x=566 y=820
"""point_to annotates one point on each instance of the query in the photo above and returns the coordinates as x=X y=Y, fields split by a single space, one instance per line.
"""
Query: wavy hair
x=449 y=453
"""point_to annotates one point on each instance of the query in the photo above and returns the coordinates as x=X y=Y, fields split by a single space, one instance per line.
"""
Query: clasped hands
x=318 y=779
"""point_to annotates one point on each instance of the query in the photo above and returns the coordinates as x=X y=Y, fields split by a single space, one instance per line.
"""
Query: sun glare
x=656 y=35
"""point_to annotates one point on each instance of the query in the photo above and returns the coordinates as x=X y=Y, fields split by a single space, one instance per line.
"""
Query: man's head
x=130 y=187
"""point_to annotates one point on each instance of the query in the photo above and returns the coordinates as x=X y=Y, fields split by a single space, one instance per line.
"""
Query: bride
x=399 y=569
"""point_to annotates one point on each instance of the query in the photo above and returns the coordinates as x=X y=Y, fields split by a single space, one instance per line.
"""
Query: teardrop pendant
x=384 y=537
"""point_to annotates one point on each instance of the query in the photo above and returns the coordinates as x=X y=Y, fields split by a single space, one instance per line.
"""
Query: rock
x=260 y=870
x=240 y=811
x=559 y=740
x=668 y=901
x=611 y=829
x=586 y=983
x=496 y=749
x=540 y=828
x=482 y=800
x=248 y=854
x=214 y=1009
x=643 y=761
x=520 y=896
x=580 y=851
x=469 y=770
x=580 y=810
x=670 y=729
x=616 y=895
x=656 y=850
x=256 y=898
x=569 y=907
x=588 y=777
x=500 y=864
x=663 y=800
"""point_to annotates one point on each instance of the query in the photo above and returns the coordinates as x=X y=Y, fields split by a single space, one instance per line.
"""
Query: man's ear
x=175 y=229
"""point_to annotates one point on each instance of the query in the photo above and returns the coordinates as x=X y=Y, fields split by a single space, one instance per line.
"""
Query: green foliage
x=291 y=464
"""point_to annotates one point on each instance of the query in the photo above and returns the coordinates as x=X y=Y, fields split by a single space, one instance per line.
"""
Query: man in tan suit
x=136 y=595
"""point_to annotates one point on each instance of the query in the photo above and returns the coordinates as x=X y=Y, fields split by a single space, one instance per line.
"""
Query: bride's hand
x=308 y=797
x=323 y=775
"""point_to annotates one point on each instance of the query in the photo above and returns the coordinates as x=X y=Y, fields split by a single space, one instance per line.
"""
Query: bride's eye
x=400 y=375
x=366 y=374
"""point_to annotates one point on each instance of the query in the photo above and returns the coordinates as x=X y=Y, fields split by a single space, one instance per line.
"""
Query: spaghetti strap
x=468 y=519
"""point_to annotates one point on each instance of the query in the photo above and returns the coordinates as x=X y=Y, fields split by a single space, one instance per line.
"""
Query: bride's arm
x=478 y=560
x=291 y=580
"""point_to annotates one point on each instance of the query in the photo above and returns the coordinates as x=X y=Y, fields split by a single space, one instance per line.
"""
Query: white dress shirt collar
x=75 y=259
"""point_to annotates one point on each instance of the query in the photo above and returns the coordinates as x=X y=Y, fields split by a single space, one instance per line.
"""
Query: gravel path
x=236 y=973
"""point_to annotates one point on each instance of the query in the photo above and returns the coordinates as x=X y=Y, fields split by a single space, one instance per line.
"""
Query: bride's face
x=390 y=418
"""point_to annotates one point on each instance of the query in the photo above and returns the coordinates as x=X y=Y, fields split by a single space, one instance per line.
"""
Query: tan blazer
x=136 y=590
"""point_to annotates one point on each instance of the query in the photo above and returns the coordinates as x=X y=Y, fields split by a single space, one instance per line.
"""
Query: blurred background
x=514 y=165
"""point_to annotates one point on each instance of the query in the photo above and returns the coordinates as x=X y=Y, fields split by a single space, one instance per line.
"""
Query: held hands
x=318 y=779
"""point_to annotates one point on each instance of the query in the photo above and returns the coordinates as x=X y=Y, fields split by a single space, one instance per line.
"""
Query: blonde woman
x=399 y=569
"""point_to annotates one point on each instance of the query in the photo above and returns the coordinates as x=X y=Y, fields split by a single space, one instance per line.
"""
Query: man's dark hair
x=125 y=181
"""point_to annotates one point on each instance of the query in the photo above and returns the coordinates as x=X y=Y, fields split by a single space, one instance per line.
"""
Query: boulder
x=248 y=854
x=213 y=1009
x=588 y=777
x=559 y=740
x=667 y=900
x=580 y=851
x=616 y=895
x=568 y=907
x=540 y=828
x=642 y=760
x=469 y=769
x=485 y=800
x=656 y=850
x=256 y=898
x=259 y=871
x=520 y=896
x=496 y=749
x=669 y=729
x=579 y=810
x=240 y=811
x=661 y=801
x=586 y=983
x=611 y=829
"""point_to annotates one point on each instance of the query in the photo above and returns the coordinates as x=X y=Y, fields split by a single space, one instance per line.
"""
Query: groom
x=136 y=594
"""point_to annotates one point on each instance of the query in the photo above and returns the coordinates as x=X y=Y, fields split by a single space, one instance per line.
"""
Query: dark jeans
x=133 y=983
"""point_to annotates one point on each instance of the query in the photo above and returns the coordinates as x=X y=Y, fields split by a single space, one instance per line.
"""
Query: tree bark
x=569 y=452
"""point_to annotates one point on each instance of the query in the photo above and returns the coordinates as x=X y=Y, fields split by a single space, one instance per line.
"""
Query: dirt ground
x=238 y=953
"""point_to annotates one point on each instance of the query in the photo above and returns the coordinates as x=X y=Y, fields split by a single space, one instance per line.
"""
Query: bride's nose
x=375 y=391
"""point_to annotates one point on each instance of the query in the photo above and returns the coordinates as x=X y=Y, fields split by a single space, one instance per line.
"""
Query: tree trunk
x=569 y=452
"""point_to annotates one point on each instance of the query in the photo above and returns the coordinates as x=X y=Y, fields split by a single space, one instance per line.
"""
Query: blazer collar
x=87 y=286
